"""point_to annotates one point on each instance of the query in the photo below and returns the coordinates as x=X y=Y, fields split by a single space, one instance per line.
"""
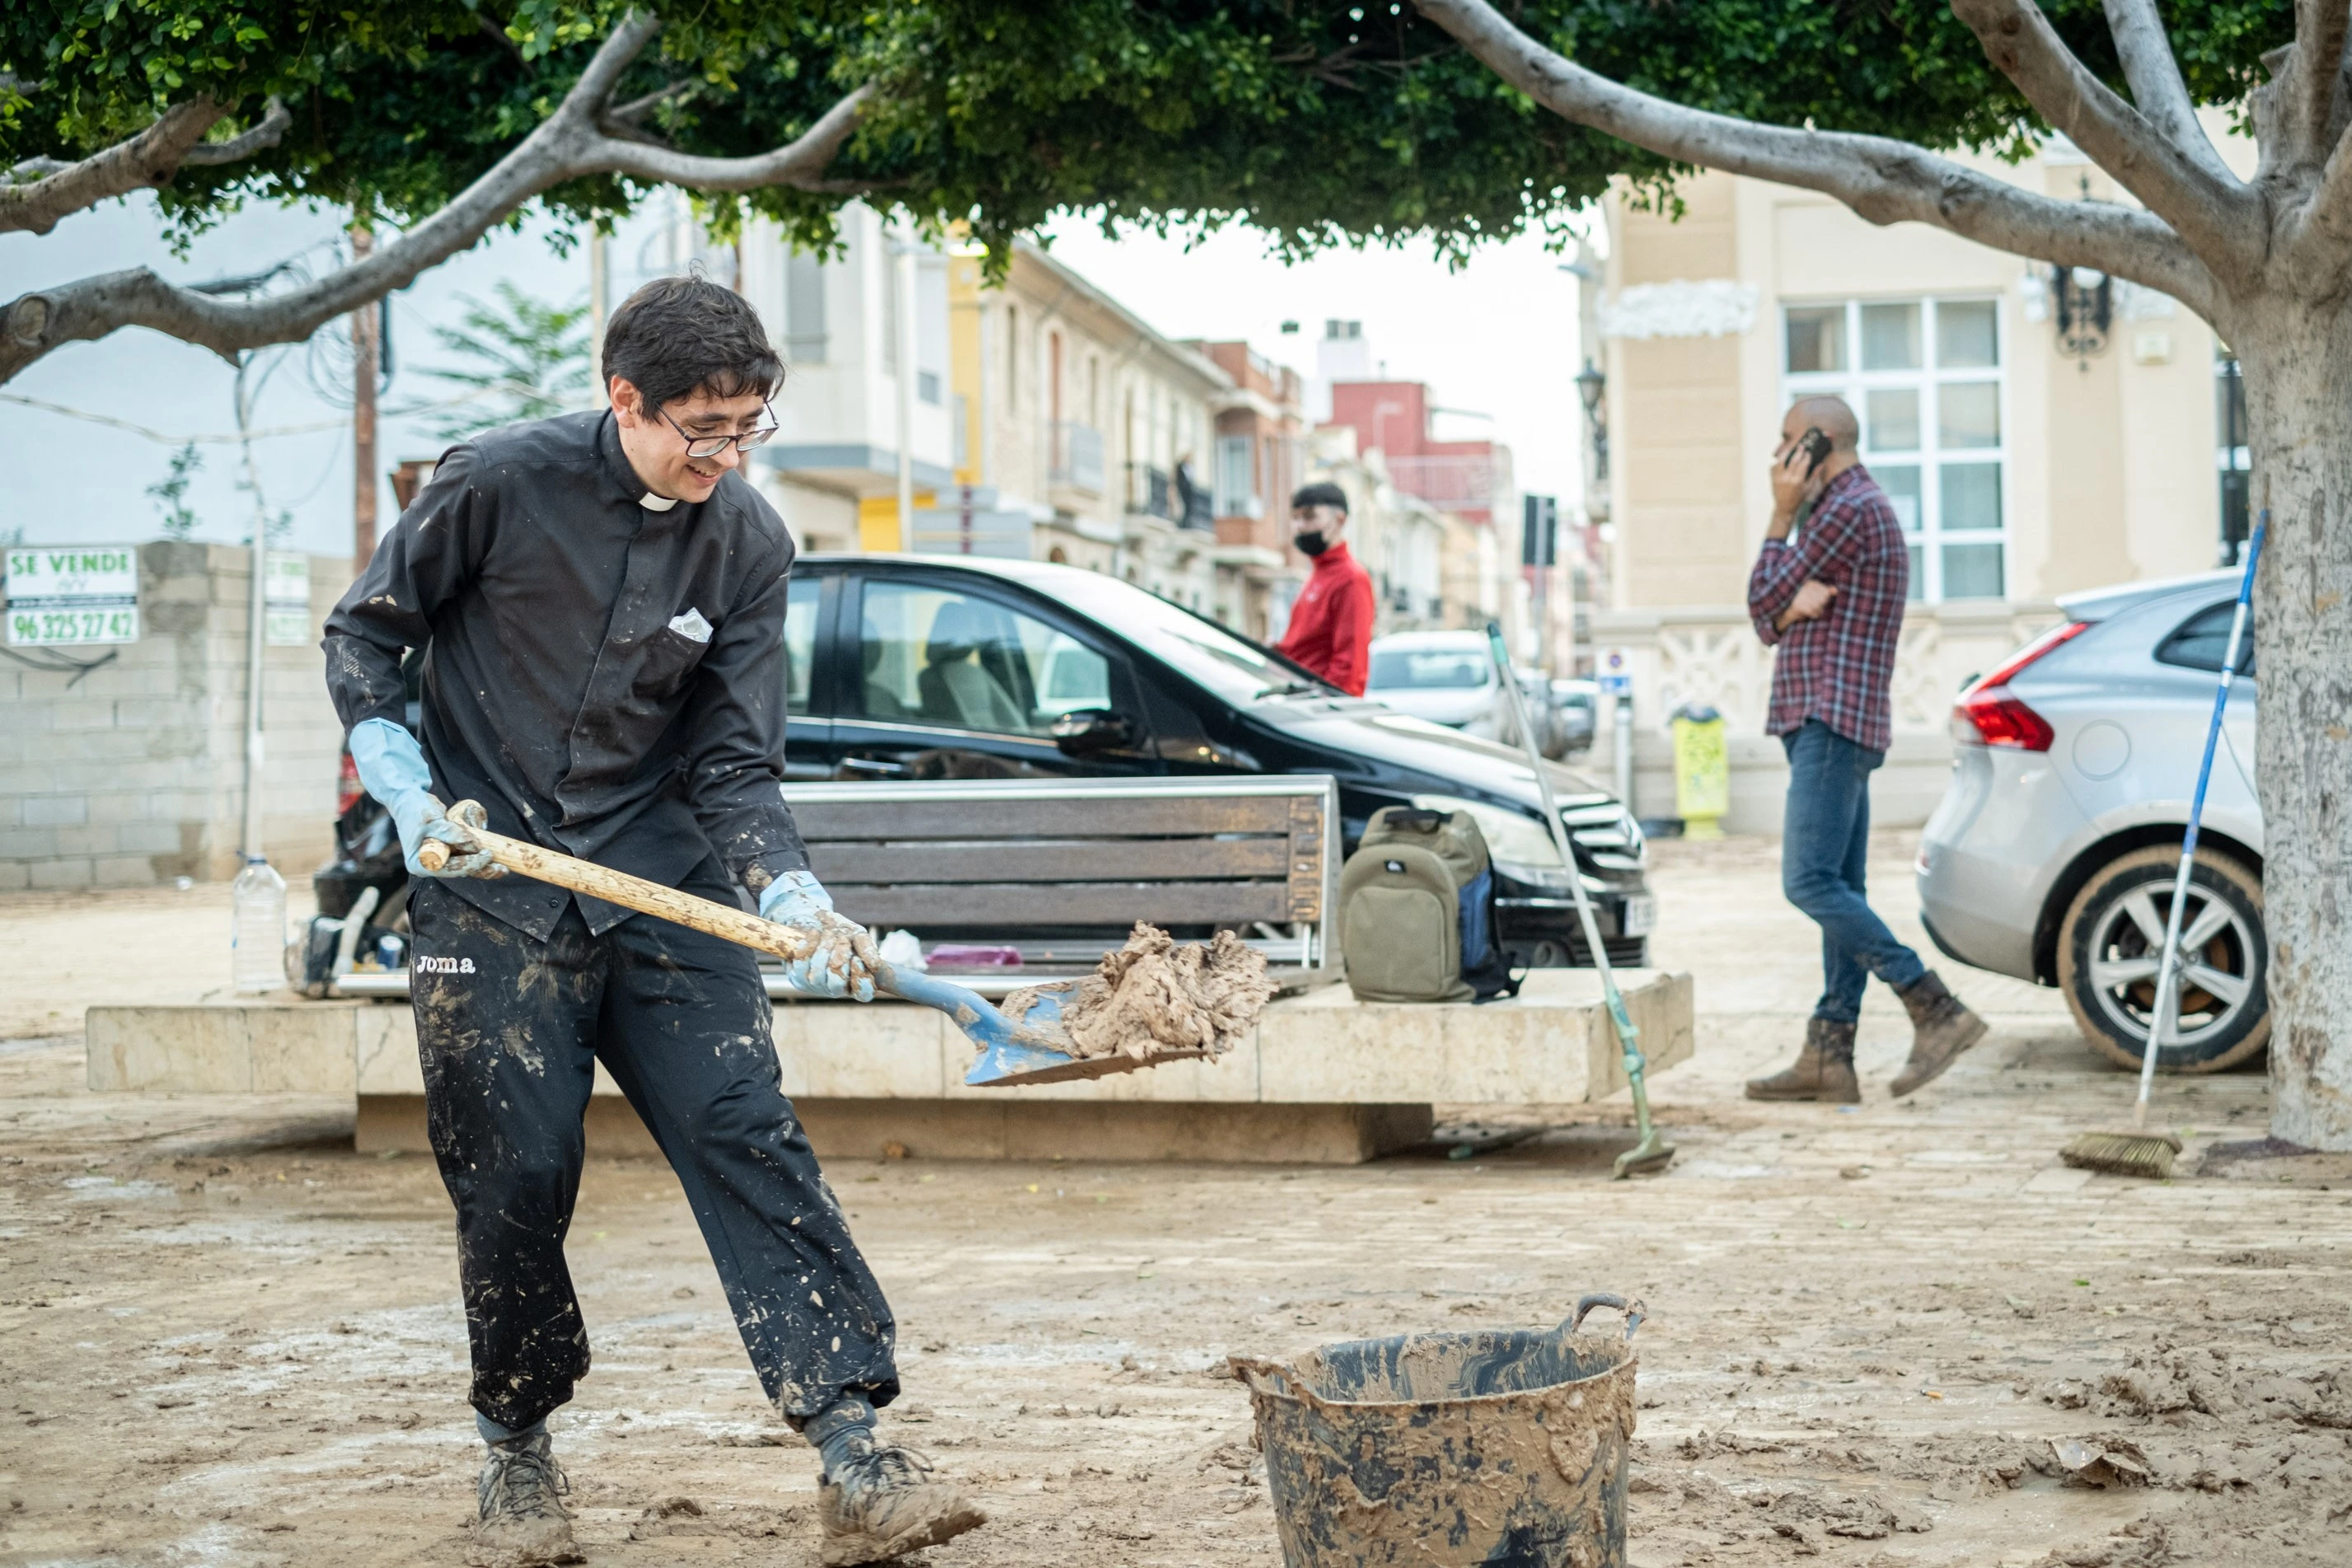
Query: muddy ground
x=225 y=1338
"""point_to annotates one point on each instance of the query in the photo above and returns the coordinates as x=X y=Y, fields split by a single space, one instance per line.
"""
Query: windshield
x=1428 y=669
x=1230 y=665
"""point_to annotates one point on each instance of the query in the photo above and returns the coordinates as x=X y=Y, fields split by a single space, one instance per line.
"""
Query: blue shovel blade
x=1012 y=1050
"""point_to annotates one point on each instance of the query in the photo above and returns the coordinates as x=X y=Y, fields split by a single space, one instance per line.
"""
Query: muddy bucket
x=1505 y=1448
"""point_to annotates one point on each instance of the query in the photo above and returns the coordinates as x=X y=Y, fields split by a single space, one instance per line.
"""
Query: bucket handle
x=1635 y=1310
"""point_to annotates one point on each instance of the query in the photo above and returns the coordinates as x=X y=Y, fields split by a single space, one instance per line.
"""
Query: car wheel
x=2112 y=936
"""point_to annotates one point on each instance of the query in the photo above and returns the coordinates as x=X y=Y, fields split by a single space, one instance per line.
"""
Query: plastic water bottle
x=257 y=932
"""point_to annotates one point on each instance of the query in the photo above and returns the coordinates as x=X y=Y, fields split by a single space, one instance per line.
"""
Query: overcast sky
x=1497 y=339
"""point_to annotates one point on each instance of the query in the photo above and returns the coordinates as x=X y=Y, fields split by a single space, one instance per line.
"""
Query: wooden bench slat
x=1306 y=853
x=1053 y=861
x=1127 y=815
x=1010 y=904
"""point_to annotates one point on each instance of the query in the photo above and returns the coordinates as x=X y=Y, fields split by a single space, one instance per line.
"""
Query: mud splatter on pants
x=511 y=1029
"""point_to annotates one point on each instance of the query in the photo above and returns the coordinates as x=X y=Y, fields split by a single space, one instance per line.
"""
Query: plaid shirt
x=1838 y=669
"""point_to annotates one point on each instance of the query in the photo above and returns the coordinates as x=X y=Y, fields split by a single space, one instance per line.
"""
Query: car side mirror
x=1083 y=731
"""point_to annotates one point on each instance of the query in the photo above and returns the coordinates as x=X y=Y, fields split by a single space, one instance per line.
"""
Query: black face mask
x=1311 y=542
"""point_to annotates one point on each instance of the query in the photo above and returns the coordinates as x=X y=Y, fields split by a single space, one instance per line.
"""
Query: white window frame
x=1853 y=383
x=1236 y=477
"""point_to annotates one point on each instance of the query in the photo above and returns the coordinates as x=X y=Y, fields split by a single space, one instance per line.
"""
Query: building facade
x=1099 y=425
x=846 y=324
x=1039 y=417
x=1463 y=574
x=1258 y=462
x=2037 y=432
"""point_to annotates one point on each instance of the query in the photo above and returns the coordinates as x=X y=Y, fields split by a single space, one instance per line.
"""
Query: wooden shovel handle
x=618 y=887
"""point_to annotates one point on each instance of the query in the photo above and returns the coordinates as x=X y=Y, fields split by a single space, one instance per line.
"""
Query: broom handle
x=635 y=892
x=1628 y=1037
x=2167 y=968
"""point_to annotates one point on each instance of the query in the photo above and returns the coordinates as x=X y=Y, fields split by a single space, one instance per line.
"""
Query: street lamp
x=1591 y=384
x=2082 y=300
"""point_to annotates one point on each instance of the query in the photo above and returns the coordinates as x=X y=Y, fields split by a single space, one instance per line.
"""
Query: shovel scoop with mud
x=1149 y=1002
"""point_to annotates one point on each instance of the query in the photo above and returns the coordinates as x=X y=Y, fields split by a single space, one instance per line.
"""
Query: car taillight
x=347 y=786
x=1990 y=713
x=1996 y=718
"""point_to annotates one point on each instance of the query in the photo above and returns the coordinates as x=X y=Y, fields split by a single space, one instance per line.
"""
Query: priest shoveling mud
x=600 y=601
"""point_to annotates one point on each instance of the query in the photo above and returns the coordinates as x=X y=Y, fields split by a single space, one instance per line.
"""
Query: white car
x=1446 y=677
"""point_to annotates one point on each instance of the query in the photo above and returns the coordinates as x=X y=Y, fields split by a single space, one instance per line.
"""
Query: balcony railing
x=1150 y=491
x=1078 y=457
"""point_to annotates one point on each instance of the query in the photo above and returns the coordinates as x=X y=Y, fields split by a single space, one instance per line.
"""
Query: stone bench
x=1325 y=1080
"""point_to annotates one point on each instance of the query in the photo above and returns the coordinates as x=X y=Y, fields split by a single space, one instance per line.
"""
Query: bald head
x=1830 y=415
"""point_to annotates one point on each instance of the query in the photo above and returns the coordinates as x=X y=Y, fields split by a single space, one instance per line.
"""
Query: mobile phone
x=1817 y=449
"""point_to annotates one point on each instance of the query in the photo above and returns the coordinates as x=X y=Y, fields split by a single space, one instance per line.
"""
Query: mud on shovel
x=1027 y=1049
x=1651 y=1153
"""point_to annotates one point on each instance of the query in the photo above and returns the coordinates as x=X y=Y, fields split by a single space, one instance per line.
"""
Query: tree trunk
x=366 y=364
x=2298 y=368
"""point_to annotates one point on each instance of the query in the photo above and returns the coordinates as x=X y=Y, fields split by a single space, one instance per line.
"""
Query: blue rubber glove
x=392 y=769
x=841 y=962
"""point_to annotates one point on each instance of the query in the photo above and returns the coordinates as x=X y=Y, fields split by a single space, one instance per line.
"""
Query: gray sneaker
x=523 y=1523
x=884 y=1503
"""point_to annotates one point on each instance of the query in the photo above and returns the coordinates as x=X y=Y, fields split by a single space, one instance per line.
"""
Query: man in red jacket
x=1332 y=623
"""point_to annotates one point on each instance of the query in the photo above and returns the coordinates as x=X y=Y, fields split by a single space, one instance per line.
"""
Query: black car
x=908 y=667
x=911 y=667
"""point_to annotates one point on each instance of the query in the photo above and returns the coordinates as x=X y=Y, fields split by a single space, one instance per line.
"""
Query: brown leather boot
x=1941 y=1028
x=1823 y=1071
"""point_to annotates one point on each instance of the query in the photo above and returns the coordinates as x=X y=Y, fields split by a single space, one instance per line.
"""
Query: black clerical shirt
x=605 y=676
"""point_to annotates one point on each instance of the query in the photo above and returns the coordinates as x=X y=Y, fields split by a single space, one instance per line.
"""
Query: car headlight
x=1509 y=835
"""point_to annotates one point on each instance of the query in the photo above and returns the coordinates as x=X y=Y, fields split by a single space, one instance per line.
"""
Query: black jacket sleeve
x=734 y=725
x=422 y=565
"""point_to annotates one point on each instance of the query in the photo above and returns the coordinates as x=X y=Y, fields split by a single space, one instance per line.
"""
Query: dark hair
x=678 y=336
x=1320 y=495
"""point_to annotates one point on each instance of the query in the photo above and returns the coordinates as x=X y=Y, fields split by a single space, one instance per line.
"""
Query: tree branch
x=143 y=162
x=2219 y=217
x=2316 y=76
x=2316 y=233
x=264 y=135
x=2157 y=88
x=636 y=109
x=1882 y=179
x=566 y=146
x=801 y=162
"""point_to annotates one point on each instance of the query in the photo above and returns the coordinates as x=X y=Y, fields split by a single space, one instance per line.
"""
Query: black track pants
x=510 y=1029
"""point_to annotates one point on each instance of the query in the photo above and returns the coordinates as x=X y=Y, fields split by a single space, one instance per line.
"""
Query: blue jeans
x=1824 y=850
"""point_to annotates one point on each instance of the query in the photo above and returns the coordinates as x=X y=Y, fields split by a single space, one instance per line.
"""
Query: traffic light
x=1539 y=531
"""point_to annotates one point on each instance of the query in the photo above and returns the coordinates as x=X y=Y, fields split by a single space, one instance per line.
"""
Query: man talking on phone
x=1831 y=601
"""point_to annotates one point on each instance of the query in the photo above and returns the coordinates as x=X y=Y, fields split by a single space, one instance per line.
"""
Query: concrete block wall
x=133 y=772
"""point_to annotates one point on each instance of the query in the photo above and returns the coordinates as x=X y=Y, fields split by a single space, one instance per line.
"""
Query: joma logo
x=425 y=965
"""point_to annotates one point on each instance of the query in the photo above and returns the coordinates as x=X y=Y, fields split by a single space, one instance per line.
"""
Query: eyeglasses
x=712 y=445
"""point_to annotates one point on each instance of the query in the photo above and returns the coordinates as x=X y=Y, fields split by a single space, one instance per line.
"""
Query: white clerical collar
x=653 y=503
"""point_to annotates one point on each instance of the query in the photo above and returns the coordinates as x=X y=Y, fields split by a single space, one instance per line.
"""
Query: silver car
x=2052 y=854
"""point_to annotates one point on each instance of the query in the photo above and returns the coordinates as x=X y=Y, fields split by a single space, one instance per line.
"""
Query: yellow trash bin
x=1702 y=771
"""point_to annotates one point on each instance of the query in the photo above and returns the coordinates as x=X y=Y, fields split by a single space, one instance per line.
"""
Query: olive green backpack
x=1417 y=911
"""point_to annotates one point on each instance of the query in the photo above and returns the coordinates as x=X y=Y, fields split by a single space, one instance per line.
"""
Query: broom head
x=2123 y=1153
